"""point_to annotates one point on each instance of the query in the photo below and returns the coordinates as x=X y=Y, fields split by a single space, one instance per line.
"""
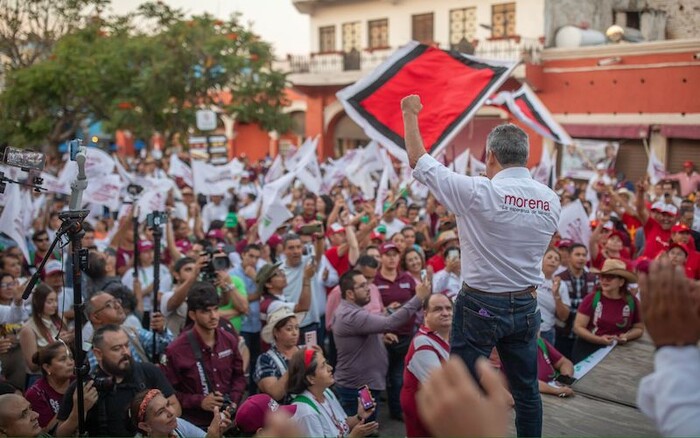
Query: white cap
x=52 y=266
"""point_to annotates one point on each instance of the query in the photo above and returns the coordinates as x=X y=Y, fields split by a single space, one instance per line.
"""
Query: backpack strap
x=630 y=302
x=596 y=300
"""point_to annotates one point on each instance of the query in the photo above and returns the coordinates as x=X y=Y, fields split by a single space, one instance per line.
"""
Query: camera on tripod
x=156 y=219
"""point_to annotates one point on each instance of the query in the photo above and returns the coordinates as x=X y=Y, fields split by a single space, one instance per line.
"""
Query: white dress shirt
x=212 y=212
x=505 y=223
x=670 y=396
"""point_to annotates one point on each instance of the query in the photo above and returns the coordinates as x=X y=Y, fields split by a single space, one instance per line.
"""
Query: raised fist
x=411 y=104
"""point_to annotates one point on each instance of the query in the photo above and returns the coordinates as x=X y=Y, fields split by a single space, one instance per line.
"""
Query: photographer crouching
x=117 y=379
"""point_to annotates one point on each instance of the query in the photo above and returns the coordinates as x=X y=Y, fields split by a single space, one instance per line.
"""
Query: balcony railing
x=507 y=50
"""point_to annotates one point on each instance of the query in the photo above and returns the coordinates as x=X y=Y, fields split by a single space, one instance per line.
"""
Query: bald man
x=17 y=417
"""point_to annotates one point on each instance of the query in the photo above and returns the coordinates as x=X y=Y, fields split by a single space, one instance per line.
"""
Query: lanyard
x=332 y=417
x=545 y=353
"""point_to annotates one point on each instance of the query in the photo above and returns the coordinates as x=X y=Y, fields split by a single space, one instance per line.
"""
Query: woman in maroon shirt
x=56 y=364
x=610 y=314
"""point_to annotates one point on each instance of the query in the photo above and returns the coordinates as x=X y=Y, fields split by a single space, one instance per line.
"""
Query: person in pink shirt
x=688 y=179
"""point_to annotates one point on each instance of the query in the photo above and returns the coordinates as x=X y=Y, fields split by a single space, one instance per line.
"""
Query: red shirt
x=600 y=259
x=402 y=289
x=612 y=316
x=221 y=364
x=340 y=263
x=45 y=400
x=656 y=239
x=431 y=350
x=545 y=364
x=437 y=262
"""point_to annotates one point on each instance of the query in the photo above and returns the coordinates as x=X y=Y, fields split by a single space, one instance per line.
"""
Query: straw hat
x=619 y=268
x=273 y=319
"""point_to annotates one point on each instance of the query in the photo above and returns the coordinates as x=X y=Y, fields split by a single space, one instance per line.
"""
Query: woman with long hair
x=319 y=413
x=151 y=414
x=609 y=314
x=43 y=328
x=412 y=261
x=46 y=395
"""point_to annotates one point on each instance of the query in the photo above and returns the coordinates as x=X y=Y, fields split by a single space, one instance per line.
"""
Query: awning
x=680 y=131
x=607 y=131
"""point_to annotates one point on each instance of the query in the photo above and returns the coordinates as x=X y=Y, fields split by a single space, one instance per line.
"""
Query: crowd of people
x=277 y=337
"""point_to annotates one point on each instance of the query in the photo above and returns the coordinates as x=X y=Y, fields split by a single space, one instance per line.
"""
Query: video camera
x=25 y=160
x=217 y=260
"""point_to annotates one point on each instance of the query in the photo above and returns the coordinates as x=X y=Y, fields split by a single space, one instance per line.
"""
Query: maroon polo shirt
x=402 y=289
x=223 y=367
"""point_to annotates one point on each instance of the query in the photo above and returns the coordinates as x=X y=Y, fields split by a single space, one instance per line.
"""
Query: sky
x=276 y=21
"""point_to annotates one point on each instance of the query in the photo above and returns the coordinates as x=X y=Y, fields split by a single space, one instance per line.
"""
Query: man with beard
x=117 y=380
x=203 y=363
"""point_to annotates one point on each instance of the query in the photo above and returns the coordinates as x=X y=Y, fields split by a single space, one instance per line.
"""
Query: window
x=631 y=19
x=462 y=27
x=503 y=20
x=326 y=39
x=352 y=40
x=422 y=30
x=378 y=33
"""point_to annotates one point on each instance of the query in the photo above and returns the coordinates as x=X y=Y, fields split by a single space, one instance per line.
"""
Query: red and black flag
x=452 y=87
x=527 y=107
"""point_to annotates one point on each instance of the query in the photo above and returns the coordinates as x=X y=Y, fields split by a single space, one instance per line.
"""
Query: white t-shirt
x=174 y=320
x=321 y=421
x=146 y=279
x=547 y=305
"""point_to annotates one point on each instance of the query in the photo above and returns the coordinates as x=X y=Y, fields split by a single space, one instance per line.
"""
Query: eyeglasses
x=10 y=284
x=110 y=304
x=362 y=286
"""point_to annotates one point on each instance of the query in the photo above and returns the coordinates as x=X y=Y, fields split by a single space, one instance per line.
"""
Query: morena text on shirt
x=533 y=204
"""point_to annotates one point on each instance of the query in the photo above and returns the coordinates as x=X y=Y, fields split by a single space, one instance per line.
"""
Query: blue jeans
x=508 y=321
x=548 y=336
x=348 y=400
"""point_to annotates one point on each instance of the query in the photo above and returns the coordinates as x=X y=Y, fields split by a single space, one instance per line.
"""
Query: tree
x=146 y=82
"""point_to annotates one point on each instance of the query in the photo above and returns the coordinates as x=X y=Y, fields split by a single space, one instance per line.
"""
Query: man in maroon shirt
x=203 y=363
x=396 y=288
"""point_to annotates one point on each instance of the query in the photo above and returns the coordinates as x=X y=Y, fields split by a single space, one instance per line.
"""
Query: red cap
x=334 y=229
x=274 y=240
x=388 y=246
x=680 y=228
x=145 y=245
x=215 y=234
x=564 y=243
x=678 y=245
x=251 y=415
x=53 y=267
x=619 y=234
x=183 y=245
x=688 y=163
x=376 y=236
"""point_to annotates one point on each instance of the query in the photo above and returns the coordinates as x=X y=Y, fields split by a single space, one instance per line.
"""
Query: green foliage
x=145 y=81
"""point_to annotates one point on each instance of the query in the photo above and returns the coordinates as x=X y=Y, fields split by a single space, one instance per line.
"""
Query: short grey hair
x=509 y=145
x=90 y=304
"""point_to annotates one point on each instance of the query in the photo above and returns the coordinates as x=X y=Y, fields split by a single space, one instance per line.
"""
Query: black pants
x=252 y=340
x=394 y=376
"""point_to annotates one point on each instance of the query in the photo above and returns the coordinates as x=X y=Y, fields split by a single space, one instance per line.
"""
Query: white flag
x=544 y=170
x=655 y=168
x=382 y=192
x=573 y=223
x=12 y=220
x=389 y=165
x=150 y=201
x=250 y=211
x=127 y=177
x=274 y=212
x=476 y=167
x=53 y=184
x=276 y=170
x=97 y=164
x=104 y=191
x=178 y=169
x=216 y=180
x=459 y=164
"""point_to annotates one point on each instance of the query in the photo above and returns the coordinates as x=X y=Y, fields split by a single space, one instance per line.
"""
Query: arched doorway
x=347 y=135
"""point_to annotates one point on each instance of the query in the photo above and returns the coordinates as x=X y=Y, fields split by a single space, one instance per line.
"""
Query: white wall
x=529 y=18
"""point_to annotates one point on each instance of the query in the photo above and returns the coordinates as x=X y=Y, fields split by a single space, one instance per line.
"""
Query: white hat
x=671 y=209
x=273 y=319
x=601 y=166
x=52 y=266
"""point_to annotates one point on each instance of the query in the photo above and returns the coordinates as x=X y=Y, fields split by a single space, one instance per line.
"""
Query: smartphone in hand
x=366 y=398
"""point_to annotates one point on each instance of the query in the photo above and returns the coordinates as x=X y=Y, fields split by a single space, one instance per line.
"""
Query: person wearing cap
x=396 y=288
x=564 y=248
x=363 y=359
x=300 y=270
x=319 y=413
x=271 y=282
x=678 y=255
x=204 y=364
x=142 y=281
x=53 y=276
x=612 y=247
x=609 y=314
x=282 y=334
x=688 y=179
x=260 y=415
x=657 y=224
x=506 y=221
x=446 y=240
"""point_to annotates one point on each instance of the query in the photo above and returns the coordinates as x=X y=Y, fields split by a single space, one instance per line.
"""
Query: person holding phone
x=554 y=371
x=319 y=413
